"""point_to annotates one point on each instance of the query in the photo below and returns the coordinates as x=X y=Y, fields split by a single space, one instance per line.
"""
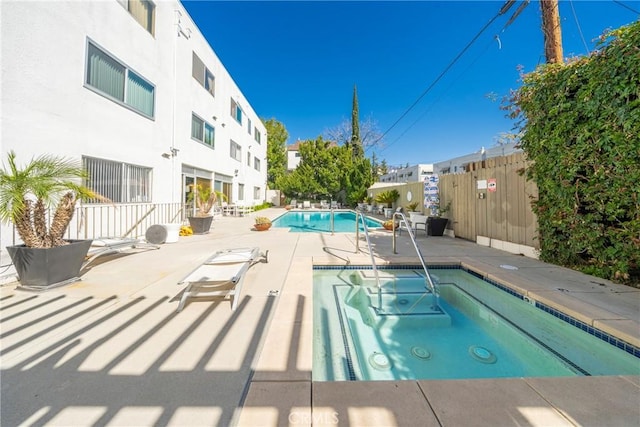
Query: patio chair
x=221 y=274
x=242 y=210
x=324 y=204
x=306 y=204
x=293 y=204
x=333 y=204
x=228 y=209
x=419 y=222
x=111 y=245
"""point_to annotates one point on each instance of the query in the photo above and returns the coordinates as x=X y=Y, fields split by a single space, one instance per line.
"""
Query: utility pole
x=551 y=31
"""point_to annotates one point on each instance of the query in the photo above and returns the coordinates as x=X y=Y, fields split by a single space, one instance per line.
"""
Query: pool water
x=473 y=329
x=320 y=222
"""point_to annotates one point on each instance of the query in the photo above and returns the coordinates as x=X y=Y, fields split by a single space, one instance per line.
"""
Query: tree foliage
x=277 y=136
x=355 y=142
x=327 y=171
x=27 y=192
x=581 y=129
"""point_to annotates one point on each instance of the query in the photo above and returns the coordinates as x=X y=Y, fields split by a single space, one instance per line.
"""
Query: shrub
x=581 y=130
x=262 y=220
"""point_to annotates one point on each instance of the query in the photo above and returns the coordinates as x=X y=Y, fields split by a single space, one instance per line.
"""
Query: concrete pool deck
x=111 y=350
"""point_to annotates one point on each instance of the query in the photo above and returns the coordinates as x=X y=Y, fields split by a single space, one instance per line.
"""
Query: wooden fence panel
x=504 y=214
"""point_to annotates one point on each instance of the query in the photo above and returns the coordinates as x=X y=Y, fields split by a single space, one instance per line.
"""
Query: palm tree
x=205 y=198
x=388 y=197
x=26 y=193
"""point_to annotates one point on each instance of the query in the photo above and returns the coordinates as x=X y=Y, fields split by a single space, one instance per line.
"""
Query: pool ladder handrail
x=431 y=286
x=332 y=222
x=373 y=261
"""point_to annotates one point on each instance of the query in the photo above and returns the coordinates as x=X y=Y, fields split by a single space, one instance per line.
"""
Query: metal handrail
x=431 y=285
x=332 y=223
x=373 y=261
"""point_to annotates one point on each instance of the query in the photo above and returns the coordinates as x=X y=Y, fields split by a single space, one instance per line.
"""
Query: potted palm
x=45 y=259
x=388 y=198
x=205 y=198
x=412 y=207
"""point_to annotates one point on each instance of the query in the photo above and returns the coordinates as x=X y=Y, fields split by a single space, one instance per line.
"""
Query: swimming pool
x=320 y=222
x=479 y=329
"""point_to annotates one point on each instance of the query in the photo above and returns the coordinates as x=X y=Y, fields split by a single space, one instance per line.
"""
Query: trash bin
x=173 y=232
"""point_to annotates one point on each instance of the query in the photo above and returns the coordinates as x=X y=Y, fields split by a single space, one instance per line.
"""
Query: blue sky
x=297 y=61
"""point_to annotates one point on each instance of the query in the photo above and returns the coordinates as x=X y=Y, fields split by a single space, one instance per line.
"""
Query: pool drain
x=403 y=301
x=481 y=354
x=420 y=352
x=379 y=361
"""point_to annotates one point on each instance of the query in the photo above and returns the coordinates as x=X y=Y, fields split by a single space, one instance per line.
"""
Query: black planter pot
x=40 y=269
x=436 y=225
x=200 y=224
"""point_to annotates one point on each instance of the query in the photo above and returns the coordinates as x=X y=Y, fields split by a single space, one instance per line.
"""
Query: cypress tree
x=356 y=142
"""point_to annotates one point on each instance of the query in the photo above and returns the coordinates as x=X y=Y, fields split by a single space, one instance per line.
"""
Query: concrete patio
x=110 y=350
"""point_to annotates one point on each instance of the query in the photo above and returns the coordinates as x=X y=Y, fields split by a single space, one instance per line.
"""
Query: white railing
x=373 y=261
x=111 y=220
x=402 y=218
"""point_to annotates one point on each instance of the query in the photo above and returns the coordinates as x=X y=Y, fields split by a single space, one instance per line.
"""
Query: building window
x=202 y=131
x=256 y=163
x=109 y=77
x=249 y=126
x=256 y=193
x=296 y=154
x=240 y=191
x=236 y=151
x=118 y=182
x=256 y=135
x=202 y=74
x=142 y=11
x=248 y=159
x=236 y=111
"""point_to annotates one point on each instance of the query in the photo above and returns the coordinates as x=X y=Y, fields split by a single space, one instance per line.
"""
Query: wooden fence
x=492 y=200
x=489 y=204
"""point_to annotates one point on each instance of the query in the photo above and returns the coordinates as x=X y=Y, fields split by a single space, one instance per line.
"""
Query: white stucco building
x=408 y=174
x=459 y=164
x=133 y=89
x=293 y=155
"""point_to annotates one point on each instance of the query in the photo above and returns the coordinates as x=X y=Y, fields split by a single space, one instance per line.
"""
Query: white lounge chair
x=306 y=204
x=420 y=222
x=111 y=245
x=221 y=274
x=334 y=204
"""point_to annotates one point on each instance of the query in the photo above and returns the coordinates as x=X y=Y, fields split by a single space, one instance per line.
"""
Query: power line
x=502 y=10
x=428 y=109
x=575 y=16
x=626 y=7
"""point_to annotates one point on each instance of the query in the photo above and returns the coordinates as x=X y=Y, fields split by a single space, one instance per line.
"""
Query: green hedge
x=581 y=128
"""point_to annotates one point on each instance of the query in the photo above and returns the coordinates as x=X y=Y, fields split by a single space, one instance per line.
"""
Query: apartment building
x=134 y=90
x=415 y=173
x=461 y=163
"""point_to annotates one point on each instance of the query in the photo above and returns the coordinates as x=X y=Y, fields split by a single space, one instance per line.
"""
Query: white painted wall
x=45 y=107
x=293 y=159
